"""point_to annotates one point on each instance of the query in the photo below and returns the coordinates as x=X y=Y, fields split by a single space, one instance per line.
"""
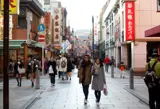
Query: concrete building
x=131 y=48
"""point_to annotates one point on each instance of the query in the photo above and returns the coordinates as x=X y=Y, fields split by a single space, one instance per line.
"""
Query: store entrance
x=150 y=47
x=129 y=55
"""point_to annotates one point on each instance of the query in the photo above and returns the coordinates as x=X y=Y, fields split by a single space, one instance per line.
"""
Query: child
x=122 y=68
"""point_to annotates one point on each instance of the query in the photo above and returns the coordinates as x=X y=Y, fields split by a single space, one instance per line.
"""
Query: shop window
x=22 y=22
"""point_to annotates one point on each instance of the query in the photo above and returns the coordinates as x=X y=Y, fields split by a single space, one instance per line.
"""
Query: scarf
x=97 y=68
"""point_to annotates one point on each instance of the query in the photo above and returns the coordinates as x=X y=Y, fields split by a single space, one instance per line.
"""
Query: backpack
x=150 y=78
x=63 y=64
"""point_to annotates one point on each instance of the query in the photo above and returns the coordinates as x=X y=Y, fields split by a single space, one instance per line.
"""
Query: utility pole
x=93 y=37
x=5 y=55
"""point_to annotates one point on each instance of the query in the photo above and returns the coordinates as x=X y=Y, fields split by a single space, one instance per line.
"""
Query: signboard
x=96 y=30
x=130 y=21
x=57 y=25
x=41 y=38
x=13 y=6
x=41 y=27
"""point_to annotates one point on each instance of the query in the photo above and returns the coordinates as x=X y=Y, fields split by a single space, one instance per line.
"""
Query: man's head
x=155 y=55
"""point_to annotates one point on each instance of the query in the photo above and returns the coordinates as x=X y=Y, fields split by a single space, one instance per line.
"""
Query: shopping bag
x=50 y=70
x=105 y=91
x=21 y=70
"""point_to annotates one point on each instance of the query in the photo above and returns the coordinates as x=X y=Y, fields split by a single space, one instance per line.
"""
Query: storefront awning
x=12 y=44
x=153 y=32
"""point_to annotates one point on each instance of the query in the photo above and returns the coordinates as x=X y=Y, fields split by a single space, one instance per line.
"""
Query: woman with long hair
x=17 y=68
x=85 y=75
x=98 y=79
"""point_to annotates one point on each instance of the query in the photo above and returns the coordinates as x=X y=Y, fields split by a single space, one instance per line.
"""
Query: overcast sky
x=80 y=12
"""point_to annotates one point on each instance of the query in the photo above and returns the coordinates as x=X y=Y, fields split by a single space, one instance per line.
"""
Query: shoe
x=32 y=84
x=18 y=84
x=70 y=78
x=98 y=103
x=53 y=84
x=123 y=77
x=62 y=78
x=85 y=101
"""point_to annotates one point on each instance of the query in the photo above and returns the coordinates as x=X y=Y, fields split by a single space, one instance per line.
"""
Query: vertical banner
x=57 y=25
x=96 y=30
x=130 y=21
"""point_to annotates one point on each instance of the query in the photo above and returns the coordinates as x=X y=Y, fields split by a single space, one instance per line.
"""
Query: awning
x=13 y=44
x=153 y=32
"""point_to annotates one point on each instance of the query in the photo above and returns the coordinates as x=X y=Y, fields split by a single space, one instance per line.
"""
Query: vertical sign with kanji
x=57 y=20
x=130 y=21
x=96 y=29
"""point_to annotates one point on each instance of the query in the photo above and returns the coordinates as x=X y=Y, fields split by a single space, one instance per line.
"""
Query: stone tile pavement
x=140 y=90
x=69 y=95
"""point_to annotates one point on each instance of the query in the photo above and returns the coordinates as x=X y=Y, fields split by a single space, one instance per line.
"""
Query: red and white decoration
x=41 y=38
x=57 y=25
x=96 y=29
x=130 y=21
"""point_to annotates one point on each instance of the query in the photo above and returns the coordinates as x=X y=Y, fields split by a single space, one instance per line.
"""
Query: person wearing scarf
x=98 y=79
x=85 y=75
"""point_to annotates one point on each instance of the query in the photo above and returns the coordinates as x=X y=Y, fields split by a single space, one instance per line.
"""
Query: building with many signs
x=130 y=31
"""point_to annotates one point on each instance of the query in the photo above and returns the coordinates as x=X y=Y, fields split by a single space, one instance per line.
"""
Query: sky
x=80 y=12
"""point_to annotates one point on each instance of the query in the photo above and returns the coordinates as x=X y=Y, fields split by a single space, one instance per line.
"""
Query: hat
x=154 y=54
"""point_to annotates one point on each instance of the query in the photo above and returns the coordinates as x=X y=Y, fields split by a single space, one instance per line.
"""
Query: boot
x=20 y=82
x=32 y=84
x=17 y=81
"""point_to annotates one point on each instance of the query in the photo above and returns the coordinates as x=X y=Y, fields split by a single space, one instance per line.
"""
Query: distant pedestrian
x=85 y=75
x=27 y=64
x=99 y=80
x=11 y=67
x=52 y=70
x=46 y=66
x=32 y=67
x=152 y=80
x=70 y=67
x=122 y=69
x=107 y=62
x=63 y=66
x=19 y=70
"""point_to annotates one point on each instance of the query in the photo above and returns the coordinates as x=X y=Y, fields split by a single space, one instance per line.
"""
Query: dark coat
x=30 y=68
x=16 y=68
x=69 y=66
x=53 y=64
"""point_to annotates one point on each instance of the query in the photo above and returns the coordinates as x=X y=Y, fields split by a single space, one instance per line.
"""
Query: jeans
x=52 y=78
x=98 y=95
x=107 y=66
x=85 y=90
x=154 y=97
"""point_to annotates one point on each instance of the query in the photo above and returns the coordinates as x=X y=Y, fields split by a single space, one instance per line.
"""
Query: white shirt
x=60 y=68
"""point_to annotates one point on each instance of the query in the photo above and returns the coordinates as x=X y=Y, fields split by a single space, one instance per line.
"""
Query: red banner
x=130 y=21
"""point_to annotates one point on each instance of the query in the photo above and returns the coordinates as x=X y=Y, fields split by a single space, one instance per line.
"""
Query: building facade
x=131 y=48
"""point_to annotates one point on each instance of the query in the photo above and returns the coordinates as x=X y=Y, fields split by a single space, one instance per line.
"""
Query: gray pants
x=106 y=66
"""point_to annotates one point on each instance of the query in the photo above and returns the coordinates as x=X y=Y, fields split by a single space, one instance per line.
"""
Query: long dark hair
x=101 y=62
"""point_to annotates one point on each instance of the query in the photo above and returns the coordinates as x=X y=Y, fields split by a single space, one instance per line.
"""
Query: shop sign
x=13 y=6
x=57 y=20
x=130 y=21
x=96 y=29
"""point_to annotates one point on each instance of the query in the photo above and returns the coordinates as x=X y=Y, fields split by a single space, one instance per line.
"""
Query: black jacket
x=30 y=68
x=69 y=66
x=53 y=64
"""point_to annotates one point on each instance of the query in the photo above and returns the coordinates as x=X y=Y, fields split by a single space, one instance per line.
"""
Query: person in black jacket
x=69 y=68
x=52 y=70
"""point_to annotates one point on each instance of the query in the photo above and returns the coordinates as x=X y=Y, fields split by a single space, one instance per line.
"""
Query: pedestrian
x=99 y=80
x=85 y=75
x=19 y=70
x=52 y=70
x=122 y=68
x=58 y=66
x=63 y=66
x=27 y=69
x=70 y=67
x=32 y=67
x=107 y=62
x=46 y=66
x=11 y=67
x=152 y=80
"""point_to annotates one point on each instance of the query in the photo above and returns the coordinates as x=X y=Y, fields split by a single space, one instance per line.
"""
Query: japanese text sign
x=13 y=6
x=57 y=20
x=130 y=21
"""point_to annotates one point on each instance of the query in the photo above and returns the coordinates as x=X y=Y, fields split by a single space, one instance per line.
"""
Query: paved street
x=69 y=95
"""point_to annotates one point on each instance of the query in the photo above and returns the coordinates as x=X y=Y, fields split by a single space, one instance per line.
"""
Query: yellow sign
x=13 y=6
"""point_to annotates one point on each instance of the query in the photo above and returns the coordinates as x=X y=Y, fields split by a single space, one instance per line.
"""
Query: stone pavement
x=69 y=95
x=140 y=90
x=21 y=97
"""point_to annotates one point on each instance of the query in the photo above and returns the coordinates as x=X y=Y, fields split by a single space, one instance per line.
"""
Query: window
x=22 y=22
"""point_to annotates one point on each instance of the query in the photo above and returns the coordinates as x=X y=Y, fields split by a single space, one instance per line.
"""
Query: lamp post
x=6 y=55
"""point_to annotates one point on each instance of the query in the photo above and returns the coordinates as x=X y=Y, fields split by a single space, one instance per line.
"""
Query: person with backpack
x=63 y=66
x=152 y=81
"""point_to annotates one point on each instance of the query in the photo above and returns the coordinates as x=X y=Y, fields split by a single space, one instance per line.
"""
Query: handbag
x=105 y=91
x=21 y=70
x=50 y=70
